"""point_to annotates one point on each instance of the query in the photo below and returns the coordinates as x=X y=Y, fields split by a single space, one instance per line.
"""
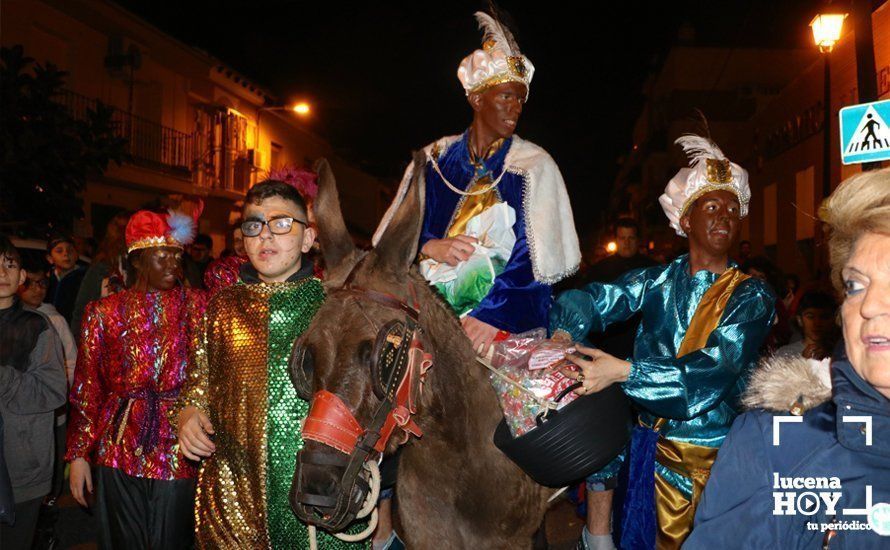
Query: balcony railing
x=149 y=144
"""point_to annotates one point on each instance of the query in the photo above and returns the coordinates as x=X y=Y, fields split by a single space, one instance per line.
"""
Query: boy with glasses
x=240 y=413
x=32 y=293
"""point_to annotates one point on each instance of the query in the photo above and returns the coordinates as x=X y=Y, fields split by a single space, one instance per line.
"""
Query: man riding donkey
x=498 y=228
x=702 y=324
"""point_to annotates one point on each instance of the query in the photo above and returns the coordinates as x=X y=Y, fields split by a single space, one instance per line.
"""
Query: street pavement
x=76 y=527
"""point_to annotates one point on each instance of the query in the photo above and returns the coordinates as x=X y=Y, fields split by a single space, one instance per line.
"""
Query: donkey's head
x=361 y=360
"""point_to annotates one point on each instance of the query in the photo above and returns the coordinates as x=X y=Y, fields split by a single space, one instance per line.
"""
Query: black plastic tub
x=573 y=442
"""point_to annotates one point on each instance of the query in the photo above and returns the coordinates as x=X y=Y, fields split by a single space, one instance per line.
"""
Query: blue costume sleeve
x=598 y=305
x=736 y=507
x=685 y=387
x=517 y=302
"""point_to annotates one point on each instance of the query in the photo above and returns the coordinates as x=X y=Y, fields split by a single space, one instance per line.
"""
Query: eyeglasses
x=278 y=226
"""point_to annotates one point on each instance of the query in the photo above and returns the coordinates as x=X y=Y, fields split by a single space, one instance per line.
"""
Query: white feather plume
x=699 y=148
x=496 y=32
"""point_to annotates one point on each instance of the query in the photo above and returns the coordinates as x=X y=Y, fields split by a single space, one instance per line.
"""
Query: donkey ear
x=336 y=243
x=397 y=247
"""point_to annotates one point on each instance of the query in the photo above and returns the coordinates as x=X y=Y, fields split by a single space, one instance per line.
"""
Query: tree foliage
x=46 y=153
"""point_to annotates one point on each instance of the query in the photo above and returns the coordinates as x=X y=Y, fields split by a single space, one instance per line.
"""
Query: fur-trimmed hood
x=782 y=384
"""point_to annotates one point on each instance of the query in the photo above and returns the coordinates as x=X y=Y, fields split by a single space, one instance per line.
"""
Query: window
x=221 y=147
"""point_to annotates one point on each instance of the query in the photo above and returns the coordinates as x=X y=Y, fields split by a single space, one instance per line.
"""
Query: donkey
x=455 y=488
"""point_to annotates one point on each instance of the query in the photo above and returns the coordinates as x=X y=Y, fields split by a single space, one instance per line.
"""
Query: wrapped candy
x=530 y=378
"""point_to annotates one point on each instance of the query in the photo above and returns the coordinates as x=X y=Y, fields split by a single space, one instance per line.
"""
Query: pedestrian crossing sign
x=865 y=135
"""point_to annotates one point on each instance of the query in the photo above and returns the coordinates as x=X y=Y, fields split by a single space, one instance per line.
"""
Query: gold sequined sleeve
x=194 y=390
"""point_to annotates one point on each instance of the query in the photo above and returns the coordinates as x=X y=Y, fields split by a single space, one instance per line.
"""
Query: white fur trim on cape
x=779 y=383
x=552 y=239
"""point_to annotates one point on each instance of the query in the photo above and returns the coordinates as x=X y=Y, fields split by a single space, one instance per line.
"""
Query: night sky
x=382 y=76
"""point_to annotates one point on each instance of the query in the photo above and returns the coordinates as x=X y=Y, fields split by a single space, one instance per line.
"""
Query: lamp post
x=826 y=32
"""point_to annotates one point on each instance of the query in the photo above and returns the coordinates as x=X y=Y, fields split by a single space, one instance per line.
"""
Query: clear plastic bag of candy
x=533 y=364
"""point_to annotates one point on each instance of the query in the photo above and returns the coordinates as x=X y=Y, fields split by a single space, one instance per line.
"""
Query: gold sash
x=472 y=206
x=675 y=513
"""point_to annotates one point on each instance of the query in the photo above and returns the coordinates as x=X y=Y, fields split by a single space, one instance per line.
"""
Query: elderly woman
x=821 y=475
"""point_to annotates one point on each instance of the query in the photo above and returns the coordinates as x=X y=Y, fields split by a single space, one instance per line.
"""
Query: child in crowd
x=816 y=318
x=32 y=387
x=66 y=276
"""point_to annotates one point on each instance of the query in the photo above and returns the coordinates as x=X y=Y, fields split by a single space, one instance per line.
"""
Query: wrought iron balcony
x=149 y=144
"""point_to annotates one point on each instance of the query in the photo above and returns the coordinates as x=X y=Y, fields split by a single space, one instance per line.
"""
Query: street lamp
x=301 y=109
x=827 y=29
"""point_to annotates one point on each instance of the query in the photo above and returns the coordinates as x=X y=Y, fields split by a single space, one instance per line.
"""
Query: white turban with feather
x=709 y=170
x=498 y=61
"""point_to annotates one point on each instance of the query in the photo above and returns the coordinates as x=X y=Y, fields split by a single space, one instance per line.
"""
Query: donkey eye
x=363 y=354
x=302 y=367
x=308 y=364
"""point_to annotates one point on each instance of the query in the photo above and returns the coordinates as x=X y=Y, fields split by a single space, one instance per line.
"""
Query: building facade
x=195 y=127
x=764 y=108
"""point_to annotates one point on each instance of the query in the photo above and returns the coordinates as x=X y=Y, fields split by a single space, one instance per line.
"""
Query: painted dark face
x=498 y=108
x=159 y=268
x=712 y=222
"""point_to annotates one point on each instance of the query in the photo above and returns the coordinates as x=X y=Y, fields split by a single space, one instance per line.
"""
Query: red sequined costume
x=223 y=273
x=130 y=367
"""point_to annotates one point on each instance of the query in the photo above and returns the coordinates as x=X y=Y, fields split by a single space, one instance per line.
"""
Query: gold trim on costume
x=709 y=311
x=517 y=66
x=471 y=206
x=495 y=80
x=675 y=513
x=707 y=189
x=154 y=242
x=718 y=171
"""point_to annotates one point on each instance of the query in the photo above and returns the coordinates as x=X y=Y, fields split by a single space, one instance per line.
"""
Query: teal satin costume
x=698 y=393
